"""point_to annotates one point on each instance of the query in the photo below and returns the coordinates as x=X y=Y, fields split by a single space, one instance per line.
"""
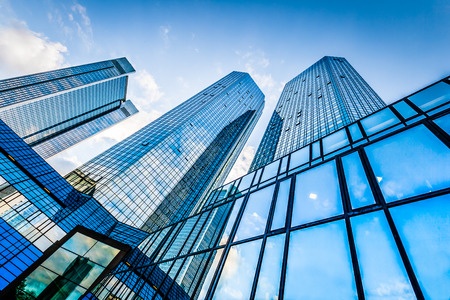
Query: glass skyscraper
x=325 y=97
x=75 y=96
x=154 y=177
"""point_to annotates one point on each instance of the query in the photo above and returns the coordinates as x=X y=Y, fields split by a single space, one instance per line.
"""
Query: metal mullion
x=258 y=268
x=437 y=131
x=205 y=272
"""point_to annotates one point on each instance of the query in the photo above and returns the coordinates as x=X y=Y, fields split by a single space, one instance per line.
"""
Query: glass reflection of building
x=366 y=216
x=325 y=97
x=154 y=177
x=82 y=100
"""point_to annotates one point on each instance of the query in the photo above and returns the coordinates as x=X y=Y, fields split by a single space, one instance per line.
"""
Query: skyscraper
x=155 y=177
x=325 y=97
x=75 y=96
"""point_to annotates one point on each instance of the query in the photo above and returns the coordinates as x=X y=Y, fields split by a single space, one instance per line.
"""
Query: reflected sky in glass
x=379 y=121
x=355 y=132
x=444 y=123
x=270 y=170
x=246 y=181
x=59 y=261
x=216 y=258
x=424 y=229
x=299 y=157
x=238 y=272
x=279 y=215
x=79 y=243
x=38 y=280
x=404 y=109
x=432 y=96
x=231 y=219
x=319 y=264
x=410 y=163
x=357 y=184
x=269 y=275
x=382 y=271
x=317 y=194
x=254 y=218
x=334 y=141
x=102 y=254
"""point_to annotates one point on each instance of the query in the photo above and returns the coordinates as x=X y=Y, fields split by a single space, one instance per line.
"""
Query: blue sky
x=180 y=47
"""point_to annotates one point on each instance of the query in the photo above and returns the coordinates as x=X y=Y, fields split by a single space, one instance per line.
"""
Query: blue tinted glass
x=270 y=170
x=269 y=275
x=316 y=149
x=424 y=228
x=215 y=261
x=444 y=123
x=404 y=109
x=238 y=272
x=382 y=271
x=319 y=264
x=299 y=158
x=246 y=181
x=355 y=132
x=357 y=184
x=230 y=223
x=379 y=121
x=431 y=97
x=254 y=218
x=279 y=215
x=317 y=195
x=410 y=163
x=334 y=141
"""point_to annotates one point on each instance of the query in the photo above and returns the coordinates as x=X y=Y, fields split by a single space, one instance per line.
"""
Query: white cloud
x=144 y=91
x=24 y=51
x=82 y=23
x=242 y=164
x=164 y=31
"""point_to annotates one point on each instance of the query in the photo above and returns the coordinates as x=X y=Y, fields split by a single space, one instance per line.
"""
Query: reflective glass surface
x=379 y=121
x=270 y=272
x=358 y=187
x=315 y=150
x=335 y=141
x=205 y=286
x=299 y=158
x=432 y=96
x=355 y=132
x=317 y=195
x=254 y=218
x=238 y=272
x=246 y=181
x=279 y=215
x=416 y=153
x=319 y=264
x=231 y=220
x=382 y=271
x=444 y=123
x=424 y=228
x=405 y=110
x=270 y=170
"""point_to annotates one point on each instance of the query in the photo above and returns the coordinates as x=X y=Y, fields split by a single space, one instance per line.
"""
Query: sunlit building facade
x=75 y=96
x=325 y=97
x=154 y=177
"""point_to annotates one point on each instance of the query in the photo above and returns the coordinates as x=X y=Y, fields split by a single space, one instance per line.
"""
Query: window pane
x=319 y=264
x=299 y=157
x=355 y=132
x=379 y=121
x=432 y=96
x=357 y=184
x=317 y=195
x=410 y=163
x=444 y=123
x=254 y=218
x=79 y=243
x=424 y=228
x=237 y=276
x=246 y=181
x=102 y=254
x=405 y=110
x=279 y=215
x=269 y=275
x=230 y=223
x=316 y=149
x=334 y=141
x=59 y=261
x=382 y=271
x=205 y=286
x=270 y=170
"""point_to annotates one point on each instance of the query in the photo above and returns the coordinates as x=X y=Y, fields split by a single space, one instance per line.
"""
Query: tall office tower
x=75 y=96
x=325 y=97
x=156 y=176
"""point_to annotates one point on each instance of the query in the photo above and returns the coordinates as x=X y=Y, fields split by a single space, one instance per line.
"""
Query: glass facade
x=156 y=176
x=76 y=96
x=327 y=96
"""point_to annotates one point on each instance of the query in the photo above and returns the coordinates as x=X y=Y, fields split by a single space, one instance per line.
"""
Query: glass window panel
x=284 y=164
x=205 y=286
x=357 y=184
x=405 y=110
x=319 y=264
x=254 y=218
x=379 y=121
x=299 y=157
x=279 y=215
x=269 y=275
x=410 y=163
x=433 y=96
x=270 y=170
x=444 y=123
x=424 y=228
x=316 y=149
x=102 y=254
x=79 y=243
x=237 y=276
x=317 y=195
x=90 y=277
x=37 y=281
x=355 y=132
x=230 y=223
x=59 y=261
x=382 y=271
x=334 y=141
x=246 y=181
